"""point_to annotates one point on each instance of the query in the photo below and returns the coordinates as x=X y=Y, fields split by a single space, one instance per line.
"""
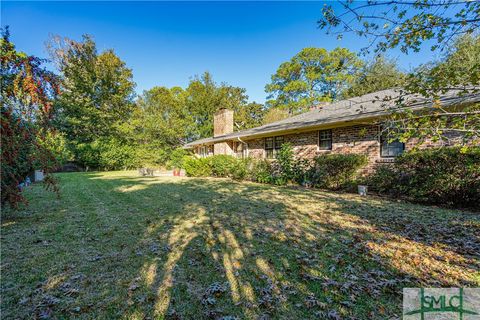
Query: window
x=272 y=145
x=391 y=149
x=269 y=148
x=278 y=142
x=325 y=139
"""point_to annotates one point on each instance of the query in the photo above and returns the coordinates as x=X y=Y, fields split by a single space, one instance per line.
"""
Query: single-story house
x=347 y=126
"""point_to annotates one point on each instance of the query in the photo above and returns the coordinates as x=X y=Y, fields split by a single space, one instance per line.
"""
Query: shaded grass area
x=116 y=245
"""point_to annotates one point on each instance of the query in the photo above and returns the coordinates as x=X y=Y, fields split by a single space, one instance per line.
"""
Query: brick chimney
x=222 y=122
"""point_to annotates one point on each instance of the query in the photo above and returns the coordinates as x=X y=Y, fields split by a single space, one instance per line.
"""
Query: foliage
x=27 y=90
x=114 y=155
x=177 y=157
x=378 y=74
x=261 y=171
x=56 y=143
x=197 y=167
x=204 y=97
x=459 y=68
x=218 y=166
x=222 y=165
x=312 y=76
x=408 y=25
x=336 y=171
x=284 y=165
x=443 y=176
x=275 y=114
x=160 y=119
x=404 y=24
x=97 y=93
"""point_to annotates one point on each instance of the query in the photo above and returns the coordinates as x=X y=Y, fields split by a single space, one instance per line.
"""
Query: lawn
x=116 y=245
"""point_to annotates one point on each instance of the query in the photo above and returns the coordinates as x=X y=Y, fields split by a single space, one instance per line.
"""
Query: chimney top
x=222 y=122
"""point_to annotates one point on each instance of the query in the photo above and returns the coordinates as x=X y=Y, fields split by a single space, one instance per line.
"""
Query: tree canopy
x=378 y=74
x=312 y=76
x=27 y=92
x=97 y=89
x=408 y=25
x=404 y=24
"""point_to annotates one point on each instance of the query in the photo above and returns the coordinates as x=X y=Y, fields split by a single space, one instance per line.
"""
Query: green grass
x=116 y=245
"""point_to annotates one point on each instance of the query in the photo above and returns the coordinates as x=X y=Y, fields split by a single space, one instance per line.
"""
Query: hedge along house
x=348 y=126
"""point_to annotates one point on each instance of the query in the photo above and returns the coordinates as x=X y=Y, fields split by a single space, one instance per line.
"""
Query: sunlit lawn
x=116 y=245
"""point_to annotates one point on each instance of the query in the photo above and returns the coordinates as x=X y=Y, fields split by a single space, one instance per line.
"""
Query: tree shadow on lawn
x=207 y=248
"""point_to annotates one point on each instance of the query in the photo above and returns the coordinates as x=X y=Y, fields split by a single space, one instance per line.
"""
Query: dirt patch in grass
x=121 y=246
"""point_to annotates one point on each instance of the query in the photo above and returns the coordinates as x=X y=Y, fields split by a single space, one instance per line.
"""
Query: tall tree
x=408 y=25
x=161 y=117
x=378 y=74
x=27 y=90
x=275 y=114
x=204 y=97
x=312 y=76
x=97 y=89
x=457 y=69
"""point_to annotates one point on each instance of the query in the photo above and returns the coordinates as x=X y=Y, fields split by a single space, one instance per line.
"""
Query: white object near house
x=39 y=175
x=362 y=190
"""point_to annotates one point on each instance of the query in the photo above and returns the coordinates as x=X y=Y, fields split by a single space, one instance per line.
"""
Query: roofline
x=450 y=101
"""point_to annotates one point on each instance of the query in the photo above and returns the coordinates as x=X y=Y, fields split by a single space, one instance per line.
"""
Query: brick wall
x=362 y=139
x=359 y=139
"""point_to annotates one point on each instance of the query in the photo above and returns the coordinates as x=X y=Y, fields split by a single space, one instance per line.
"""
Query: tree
x=312 y=76
x=407 y=25
x=27 y=90
x=378 y=74
x=249 y=115
x=457 y=69
x=204 y=97
x=275 y=114
x=159 y=124
x=404 y=24
x=97 y=91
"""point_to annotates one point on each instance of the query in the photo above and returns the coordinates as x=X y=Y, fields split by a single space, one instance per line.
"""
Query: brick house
x=347 y=126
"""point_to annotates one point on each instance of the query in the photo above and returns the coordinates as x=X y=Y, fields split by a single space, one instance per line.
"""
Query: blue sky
x=166 y=43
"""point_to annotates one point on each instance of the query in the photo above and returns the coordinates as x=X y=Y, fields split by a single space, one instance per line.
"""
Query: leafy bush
x=241 y=169
x=197 y=167
x=176 y=158
x=261 y=172
x=300 y=172
x=222 y=165
x=443 y=176
x=336 y=171
x=283 y=167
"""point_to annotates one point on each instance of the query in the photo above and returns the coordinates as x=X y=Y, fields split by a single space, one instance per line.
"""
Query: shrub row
x=217 y=166
x=446 y=176
x=326 y=171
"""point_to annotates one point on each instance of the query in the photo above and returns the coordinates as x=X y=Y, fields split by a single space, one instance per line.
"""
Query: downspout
x=246 y=144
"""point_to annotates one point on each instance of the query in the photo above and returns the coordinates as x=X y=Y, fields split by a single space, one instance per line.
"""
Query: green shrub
x=336 y=171
x=222 y=165
x=240 y=171
x=448 y=176
x=283 y=166
x=176 y=158
x=261 y=171
x=383 y=180
x=197 y=167
x=300 y=172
